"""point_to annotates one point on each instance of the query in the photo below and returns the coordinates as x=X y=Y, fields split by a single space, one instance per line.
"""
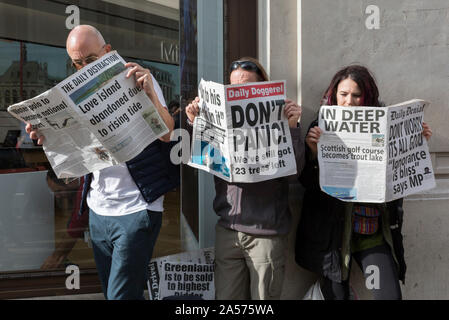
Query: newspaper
x=189 y=273
x=94 y=119
x=241 y=133
x=369 y=154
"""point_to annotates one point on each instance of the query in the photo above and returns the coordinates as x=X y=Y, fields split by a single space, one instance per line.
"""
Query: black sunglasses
x=246 y=65
x=78 y=64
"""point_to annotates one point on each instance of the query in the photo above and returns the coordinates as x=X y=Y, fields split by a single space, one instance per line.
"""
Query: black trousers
x=377 y=261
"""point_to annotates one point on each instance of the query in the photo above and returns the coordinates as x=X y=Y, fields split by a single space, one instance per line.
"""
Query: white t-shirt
x=113 y=191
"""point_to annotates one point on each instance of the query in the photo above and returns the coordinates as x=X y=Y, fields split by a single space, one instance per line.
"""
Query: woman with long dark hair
x=331 y=232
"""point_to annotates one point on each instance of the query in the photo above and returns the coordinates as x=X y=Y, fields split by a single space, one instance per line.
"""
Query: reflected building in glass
x=41 y=232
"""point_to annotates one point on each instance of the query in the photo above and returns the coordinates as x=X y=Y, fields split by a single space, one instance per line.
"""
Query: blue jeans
x=122 y=247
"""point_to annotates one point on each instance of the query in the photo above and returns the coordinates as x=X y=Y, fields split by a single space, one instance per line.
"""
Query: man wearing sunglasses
x=125 y=203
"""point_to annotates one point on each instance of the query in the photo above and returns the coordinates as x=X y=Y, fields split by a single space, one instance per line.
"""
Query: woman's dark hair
x=250 y=64
x=364 y=79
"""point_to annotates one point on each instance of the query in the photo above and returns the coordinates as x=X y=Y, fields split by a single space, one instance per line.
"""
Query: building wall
x=307 y=41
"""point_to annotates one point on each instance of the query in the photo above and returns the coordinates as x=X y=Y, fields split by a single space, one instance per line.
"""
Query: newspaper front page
x=94 y=119
x=371 y=154
x=185 y=274
x=241 y=133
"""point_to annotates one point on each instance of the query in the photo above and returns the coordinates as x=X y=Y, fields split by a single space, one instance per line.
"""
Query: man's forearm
x=166 y=117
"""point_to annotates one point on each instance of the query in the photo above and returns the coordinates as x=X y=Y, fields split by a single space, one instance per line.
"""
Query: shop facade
x=303 y=42
x=40 y=233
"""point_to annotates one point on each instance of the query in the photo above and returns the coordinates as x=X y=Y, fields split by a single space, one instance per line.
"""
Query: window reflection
x=44 y=230
x=71 y=224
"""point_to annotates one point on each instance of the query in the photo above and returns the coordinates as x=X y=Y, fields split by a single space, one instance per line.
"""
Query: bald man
x=125 y=201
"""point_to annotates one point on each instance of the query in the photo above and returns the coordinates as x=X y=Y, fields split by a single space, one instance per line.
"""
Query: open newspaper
x=241 y=133
x=185 y=274
x=94 y=119
x=369 y=154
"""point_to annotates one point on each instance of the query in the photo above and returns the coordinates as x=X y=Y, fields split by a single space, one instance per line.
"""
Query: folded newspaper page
x=372 y=154
x=241 y=133
x=94 y=119
x=185 y=274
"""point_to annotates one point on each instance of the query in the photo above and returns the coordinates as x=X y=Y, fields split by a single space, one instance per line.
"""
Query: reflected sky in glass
x=54 y=57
